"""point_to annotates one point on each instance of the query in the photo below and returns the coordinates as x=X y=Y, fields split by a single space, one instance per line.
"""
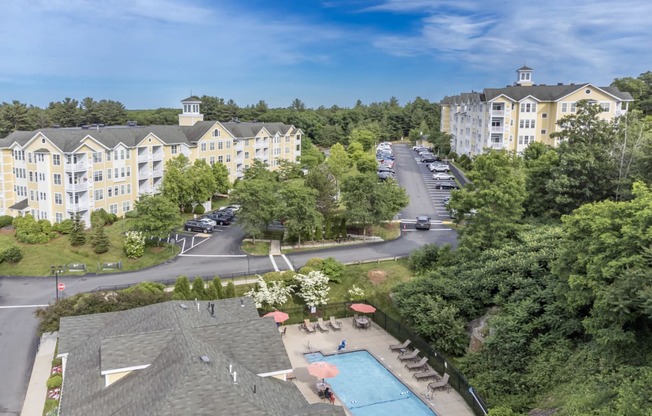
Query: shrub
x=199 y=288
x=332 y=268
x=5 y=220
x=99 y=240
x=30 y=231
x=12 y=254
x=77 y=235
x=64 y=227
x=54 y=381
x=131 y=214
x=187 y=208
x=229 y=292
x=112 y=218
x=199 y=209
x=318 y=233
x=219 y=289
x=314 y=263
x=182 y=289
x=99 y=218
x=134 y=244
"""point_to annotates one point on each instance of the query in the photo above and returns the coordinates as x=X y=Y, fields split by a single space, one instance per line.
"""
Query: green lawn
x=261 y=248
x=38 y=258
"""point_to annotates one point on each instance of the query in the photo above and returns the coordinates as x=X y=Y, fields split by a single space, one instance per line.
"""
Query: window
x=203 y=147
x=122 y=172
x=528 y=107
x=228 y=158
x=58 y=198
x=99 y=194
x=246 y=155
x=108 y=173
x=211 y=160
x=128 y=171
x=57 y=179
x=228 y=143
x=497 y=106
x=58 y=217
x=216 y=133
x=41 y=177
x=31 y=176
x=128 y=189
x=573 y=107
x=116 y=173
x=39 y=157
x=97 y=157
x=115 y=191
x=246 y=142
x=564 y=107
x=128 y=154
x=42 y=196
x=521 y=124
x=122 y=154
x=623 y=105
x=287 y=139
x=220 y=145
x=544 y=131
x=109 y=192
x=587 y=91
x=108 y=156
x=606 y=106
x=29 y=157
x=211 y=146
x=31 y=195
x=115 y=155
x=97 y=176
x=220 y=158
x=174 y=149
x=544 y=115
x=113 y=209
x=122 y=189
x=126 y=206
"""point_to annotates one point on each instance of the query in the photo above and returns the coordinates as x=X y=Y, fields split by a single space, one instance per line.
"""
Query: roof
x=525 y=68
x=69 y=139
x=169 y=340
x=20 y=205
x=192 y=98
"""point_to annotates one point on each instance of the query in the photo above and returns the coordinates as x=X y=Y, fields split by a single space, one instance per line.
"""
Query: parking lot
x=436 y=195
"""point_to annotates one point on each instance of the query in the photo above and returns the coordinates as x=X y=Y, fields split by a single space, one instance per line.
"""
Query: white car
x=208 y=221
x=442 y=176
x=438 y=167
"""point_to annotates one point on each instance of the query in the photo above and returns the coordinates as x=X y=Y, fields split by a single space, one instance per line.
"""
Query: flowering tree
x=134 y=244
x=272 y=293
x=313 y=288
x=355 y=293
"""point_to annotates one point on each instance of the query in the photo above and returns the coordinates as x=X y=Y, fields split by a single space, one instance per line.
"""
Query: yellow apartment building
x=55 y=173
x=513 y=117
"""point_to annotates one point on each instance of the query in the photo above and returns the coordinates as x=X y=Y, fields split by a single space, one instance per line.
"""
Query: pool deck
x=375 y=340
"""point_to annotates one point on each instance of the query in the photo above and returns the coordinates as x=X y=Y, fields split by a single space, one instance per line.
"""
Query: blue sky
x=153 y=53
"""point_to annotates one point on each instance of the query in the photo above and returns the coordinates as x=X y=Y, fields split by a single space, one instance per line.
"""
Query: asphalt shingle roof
x=171 y=339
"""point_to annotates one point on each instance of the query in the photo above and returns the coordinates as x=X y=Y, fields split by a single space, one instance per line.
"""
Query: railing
x=80 y=206
x=143 y=175
x=144 y=190
x=497 y=129
x=498 y=113
x=157 y=173
x=157 y=156
x=77 y=187
x=75 y=167
x=143 y=157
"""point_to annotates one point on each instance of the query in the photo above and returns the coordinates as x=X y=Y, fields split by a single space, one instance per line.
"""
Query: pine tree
x=182 y=289
x=77 y=235
x=230 y=290
x=99 y=240
x=199 y=288
x=318 y=233
x=219 y=289
x=328 y=233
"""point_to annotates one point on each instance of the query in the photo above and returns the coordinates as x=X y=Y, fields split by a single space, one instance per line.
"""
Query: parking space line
x=288 y=262
x=273 y=263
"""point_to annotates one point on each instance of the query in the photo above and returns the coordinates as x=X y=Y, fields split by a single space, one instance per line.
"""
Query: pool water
x=367 y=388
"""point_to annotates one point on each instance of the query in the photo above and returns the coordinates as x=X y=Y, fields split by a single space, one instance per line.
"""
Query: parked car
x=418 y=147
x=225 y=211
x=208 y=221
x=440 y=176
x=383 y=168
x=446 y=185
x=428 y=158
x=233 y=208
x=439 y=168
x=220 y=219
x=424 y=150
x=383 y=176
x=199 y=226
x=423 y=222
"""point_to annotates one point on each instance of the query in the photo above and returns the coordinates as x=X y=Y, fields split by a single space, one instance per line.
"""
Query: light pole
x=56 y=270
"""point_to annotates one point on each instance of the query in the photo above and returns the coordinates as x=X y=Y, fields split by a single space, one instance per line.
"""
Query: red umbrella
x=278 y=316
x=323 y=370
x=363 y=308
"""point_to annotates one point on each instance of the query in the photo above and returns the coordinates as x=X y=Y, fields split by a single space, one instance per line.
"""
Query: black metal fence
x=402 y=332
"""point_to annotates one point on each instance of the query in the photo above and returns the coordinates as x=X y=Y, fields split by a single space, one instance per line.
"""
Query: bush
x=187 y=209
x=134 y=244
x=54 y=381
x=199 y=209
x=30 y=231
x=99 y=240
x=219 y=289
x=314 y=263
x=332 y=268
x=182 y=289
x=12 y=254
x=77 y=235
x=131 y=214
x=6 y=220
x=112 y=218
x=64 y=227
x=99 y=218
x=229 y=292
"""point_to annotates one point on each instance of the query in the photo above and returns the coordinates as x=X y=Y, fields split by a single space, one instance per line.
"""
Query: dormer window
x=216 y=133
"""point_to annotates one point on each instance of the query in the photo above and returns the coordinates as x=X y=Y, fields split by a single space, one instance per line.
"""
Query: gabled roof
x=21 y=205
x=169 y=340
x=525 y=68
x=192 y=98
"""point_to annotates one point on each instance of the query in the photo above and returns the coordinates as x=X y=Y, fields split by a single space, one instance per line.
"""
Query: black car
x=225 y=212
x=423 y=222
x=429 y=158
x=446 y=185
x=383 y=176
x=385 y=169
x=192 y=225
x=219 y=218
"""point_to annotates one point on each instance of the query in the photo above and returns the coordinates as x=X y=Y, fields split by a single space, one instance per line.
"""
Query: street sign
x=61 y=287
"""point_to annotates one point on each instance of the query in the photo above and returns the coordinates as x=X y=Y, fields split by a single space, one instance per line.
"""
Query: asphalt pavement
x=217 y=255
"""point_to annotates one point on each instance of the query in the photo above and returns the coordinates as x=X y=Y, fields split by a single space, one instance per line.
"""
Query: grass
x=37 y=258
x=260 y=248
x=387 y=231
x=377 y=291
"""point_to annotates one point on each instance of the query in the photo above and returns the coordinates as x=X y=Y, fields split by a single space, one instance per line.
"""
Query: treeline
x=640 y=88
x=555 y=254
x=388 y=120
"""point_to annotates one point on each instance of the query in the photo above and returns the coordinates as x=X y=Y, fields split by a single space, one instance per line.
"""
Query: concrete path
x=37 y=388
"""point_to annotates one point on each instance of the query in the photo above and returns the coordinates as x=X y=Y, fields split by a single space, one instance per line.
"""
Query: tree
x=313 y=288
x=134 y=244
x=364 y=137
x=65 y=113
x=182 y=289
x=311 y=156
x=229 y=292
x=259 y=170
x=288 y=170
x=77 y=235
x=176 y=183
x=274 y=293
x=202 y=181
x=339 y=162
x=99 y=240
x=297 y=105
x=219 y=289
x=199 y=289
x=540 y=162
x=221 y=175
x=13 y=117
x=492 y=205
x=322 y=180
x=366 y=163
x=259 y=205
x=156 y=215
x=299 y=210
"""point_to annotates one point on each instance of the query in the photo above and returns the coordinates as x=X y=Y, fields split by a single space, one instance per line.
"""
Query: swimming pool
x=367 y=388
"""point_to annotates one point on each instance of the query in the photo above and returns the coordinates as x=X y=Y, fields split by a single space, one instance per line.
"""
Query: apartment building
x=513 y=117
x=55 y=173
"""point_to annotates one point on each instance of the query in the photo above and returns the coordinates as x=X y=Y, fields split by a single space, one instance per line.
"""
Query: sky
x=154 y=53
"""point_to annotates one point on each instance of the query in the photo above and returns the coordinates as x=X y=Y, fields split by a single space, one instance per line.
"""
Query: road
x=218 y=255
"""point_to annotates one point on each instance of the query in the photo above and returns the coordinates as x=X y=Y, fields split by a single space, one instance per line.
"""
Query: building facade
x=511 y=118
x=56 y=173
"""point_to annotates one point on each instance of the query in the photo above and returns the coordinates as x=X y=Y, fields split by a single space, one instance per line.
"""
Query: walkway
x=37 y=389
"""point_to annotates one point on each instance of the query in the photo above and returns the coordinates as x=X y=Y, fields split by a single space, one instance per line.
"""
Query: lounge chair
x=321 y=325
x=310 y=328
x=409 y=357
x=441 y=384
x=398 y=347
x=417 y=366
x=336 y=325
x=429 y=373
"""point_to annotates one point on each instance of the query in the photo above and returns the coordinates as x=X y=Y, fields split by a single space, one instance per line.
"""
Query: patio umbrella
x=363 y=308
x=323 y=370
x=278 y=316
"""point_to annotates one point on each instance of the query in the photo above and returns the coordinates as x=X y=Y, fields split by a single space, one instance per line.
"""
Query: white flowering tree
x=313 y=288
x=134 y=244
x=274 y=293
x=355 y=293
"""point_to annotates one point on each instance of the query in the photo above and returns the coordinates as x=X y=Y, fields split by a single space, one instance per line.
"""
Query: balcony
x=497 y=113
x=239 y=146
x=76 y=167
x=143 y=157
x=157 y=173
x=497 y=129
x=77 y=187
x=78 y=207
x=143 y=174
x=157 y=156
x=144 y=190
